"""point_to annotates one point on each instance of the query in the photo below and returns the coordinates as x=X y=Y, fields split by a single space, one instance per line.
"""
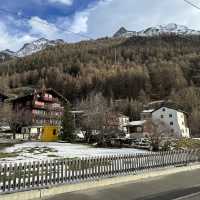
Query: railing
x=26 y=176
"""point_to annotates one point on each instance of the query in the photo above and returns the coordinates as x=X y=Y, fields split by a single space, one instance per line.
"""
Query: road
x=181 y=186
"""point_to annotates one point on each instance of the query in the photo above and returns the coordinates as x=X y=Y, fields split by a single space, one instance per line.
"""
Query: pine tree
x=67 y=125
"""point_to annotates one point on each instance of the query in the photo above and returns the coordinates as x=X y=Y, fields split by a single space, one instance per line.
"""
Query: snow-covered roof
x=136 y=123
x=77 y=111
x=148 y=111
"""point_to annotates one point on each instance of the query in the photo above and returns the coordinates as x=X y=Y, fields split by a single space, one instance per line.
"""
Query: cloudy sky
x=55 y=19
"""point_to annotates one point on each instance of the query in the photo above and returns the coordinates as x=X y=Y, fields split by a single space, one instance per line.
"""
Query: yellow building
x=49 y=134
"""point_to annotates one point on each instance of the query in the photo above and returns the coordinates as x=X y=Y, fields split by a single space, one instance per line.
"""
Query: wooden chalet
x=44 y=108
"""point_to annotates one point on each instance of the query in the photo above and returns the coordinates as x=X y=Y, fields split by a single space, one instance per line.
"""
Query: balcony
x=54 y=107
x=46 y=115
x=38 y=104
x=49 y=98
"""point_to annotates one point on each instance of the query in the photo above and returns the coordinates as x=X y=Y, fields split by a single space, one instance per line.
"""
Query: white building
x=123 y=120
x=174 y=118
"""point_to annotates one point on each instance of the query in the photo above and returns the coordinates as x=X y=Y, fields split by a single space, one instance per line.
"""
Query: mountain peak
x=171 y=28
x=123 y=32
x=37 y=45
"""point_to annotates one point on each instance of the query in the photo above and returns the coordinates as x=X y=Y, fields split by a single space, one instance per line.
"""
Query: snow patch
x=37 y=151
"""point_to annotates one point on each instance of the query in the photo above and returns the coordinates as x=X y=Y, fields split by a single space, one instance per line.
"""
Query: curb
x=55 y=190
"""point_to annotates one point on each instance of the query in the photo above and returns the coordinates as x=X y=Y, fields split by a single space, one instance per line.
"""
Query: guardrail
x=27 y=176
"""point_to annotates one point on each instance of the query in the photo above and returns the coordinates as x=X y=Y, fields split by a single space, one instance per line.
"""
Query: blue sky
x=96 y=18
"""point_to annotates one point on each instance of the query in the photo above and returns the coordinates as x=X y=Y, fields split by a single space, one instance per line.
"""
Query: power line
x=19 y=15
x=192 y=4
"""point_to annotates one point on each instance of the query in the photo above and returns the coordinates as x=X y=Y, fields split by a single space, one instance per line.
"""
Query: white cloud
x=107 y=16
x=42 y=28
x=66 y=2
x=13 y=42
x=79 y=23
x=103 y=19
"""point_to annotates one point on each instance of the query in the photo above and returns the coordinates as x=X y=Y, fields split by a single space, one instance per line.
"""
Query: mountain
x=36 y=46
x=29 y=48
x=6 y=55
x=169 y=29
x=122 y=32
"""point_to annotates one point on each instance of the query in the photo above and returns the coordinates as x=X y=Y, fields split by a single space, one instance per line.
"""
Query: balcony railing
x=38 y=104
x=57 y=108
x=46 y=116
x=49 y=99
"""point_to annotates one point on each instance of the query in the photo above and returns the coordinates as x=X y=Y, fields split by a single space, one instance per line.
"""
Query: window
x=170 y=115
x=161 y=116
x=171 y=123
x=54 y=131
x=163 y=109
x=139 y=129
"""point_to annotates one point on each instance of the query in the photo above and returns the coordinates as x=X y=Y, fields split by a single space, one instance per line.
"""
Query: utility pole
x=115 y=56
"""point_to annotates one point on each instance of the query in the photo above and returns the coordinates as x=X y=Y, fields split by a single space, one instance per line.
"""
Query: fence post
x=14 y=176
x=46 y=165
x=29 y=175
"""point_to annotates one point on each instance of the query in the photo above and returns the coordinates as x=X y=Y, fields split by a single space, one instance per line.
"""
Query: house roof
x=166 y=104
x=148 y=111
x=175 y=107
x=136 y=123
x=77 y=112
x=35 y=91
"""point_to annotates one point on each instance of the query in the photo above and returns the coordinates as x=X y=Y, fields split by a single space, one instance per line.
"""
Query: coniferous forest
x=135 y=70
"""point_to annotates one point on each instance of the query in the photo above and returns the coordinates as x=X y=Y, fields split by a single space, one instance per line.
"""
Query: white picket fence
x=27 y=176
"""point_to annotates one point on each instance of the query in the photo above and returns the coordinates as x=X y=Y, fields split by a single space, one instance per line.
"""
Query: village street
x=181 y=186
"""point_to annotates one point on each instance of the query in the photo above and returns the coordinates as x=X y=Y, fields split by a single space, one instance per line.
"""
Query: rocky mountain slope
x=158 y=30
x=29 y=48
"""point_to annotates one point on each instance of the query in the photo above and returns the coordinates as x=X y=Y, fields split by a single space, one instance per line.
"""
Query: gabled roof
x=156 y=105
x=136 y=123
x=35 y=91
x=148 y=111
x=169 y=105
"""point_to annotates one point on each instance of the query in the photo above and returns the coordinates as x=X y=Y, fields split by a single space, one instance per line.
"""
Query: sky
x=70 y=20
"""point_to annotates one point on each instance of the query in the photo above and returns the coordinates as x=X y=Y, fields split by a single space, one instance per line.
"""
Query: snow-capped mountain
x=8 y=52
x=36 y=46
x=30 y=48
x=158 y=30
x=6 y=55
x=122 y=32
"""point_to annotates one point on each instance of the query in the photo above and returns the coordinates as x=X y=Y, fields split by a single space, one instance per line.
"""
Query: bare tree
x=14 y=118
x=95 y=108
x=158 y=132
x=100 y=118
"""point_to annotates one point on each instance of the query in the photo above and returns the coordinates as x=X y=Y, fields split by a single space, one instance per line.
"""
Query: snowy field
x=37 y=151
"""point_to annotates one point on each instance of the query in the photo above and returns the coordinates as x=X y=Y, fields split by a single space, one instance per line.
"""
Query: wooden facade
x=43 y=107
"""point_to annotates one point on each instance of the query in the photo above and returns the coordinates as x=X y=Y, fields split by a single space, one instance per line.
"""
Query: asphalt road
x=181 y=186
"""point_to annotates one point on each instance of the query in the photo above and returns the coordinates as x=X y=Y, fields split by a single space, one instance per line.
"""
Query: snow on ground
x=37 y=151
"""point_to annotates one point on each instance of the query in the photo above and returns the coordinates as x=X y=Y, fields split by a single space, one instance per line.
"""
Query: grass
x=8 y=155
x=188 y=143
x=52 y=156
x=38 y=150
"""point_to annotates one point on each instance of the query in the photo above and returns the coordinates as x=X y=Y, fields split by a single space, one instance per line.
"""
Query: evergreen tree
x=67 y=125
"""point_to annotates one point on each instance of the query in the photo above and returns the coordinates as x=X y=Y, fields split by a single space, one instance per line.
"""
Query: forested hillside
x=137 y=69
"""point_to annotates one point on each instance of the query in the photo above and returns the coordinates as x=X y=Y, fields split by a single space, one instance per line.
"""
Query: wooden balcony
x=50 y=107
x=49 y=99
x=38 y=105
